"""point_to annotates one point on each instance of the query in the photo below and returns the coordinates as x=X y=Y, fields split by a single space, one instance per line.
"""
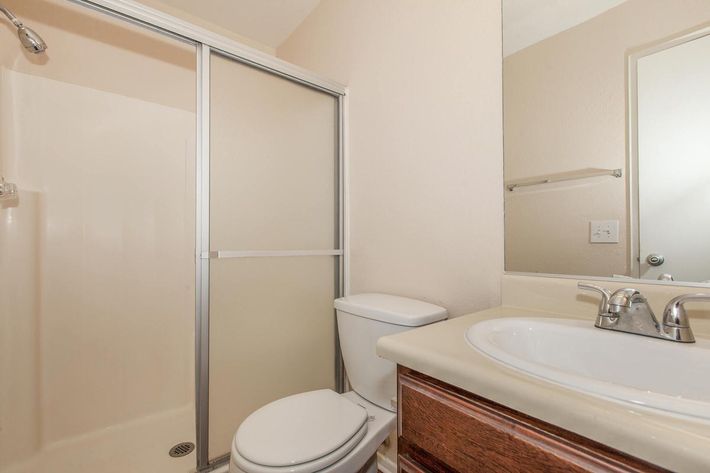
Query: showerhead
x=28 y=37
x=31 y=40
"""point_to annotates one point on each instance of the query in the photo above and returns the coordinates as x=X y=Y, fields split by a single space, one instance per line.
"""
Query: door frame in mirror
x=632 y=188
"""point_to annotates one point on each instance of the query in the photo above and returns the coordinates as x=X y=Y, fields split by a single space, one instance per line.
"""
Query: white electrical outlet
x=604 y=231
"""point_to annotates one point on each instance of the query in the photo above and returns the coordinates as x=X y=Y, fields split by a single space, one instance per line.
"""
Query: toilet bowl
x=326 y=432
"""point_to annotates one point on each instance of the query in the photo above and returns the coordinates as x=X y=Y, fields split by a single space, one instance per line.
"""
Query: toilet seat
x=310 y=467
x=304 y=433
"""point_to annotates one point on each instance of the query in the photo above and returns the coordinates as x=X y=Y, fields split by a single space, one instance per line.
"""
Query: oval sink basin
x=645 y=372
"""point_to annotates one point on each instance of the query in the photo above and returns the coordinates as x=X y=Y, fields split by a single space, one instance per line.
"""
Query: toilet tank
x=362 y=320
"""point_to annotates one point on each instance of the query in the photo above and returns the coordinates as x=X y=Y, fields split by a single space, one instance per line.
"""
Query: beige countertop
x=441 y=351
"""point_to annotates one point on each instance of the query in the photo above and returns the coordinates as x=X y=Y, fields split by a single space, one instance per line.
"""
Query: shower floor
x=137 y=447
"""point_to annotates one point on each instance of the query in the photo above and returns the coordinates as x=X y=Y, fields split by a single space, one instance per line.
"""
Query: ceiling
x=268 y=22
x=526 y=22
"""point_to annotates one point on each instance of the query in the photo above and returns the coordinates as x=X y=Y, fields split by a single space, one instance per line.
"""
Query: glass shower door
x=273 y=236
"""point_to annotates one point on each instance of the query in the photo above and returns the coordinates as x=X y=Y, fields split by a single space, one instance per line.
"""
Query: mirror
x=607 y=138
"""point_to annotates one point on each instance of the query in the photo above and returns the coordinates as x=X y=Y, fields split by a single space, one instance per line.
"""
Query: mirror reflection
x=607 y=137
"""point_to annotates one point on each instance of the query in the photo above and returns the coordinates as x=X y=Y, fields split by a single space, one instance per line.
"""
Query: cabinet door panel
x=467 y=433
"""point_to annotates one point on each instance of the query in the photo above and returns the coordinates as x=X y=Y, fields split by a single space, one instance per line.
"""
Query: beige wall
x=565 y=109
x=425 y=142
x=97 y=294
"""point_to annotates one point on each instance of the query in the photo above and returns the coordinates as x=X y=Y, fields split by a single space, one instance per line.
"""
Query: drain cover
x=182 y=449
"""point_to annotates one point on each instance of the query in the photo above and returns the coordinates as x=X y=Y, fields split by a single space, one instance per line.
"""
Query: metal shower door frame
x=206 y=253
x=207 y=43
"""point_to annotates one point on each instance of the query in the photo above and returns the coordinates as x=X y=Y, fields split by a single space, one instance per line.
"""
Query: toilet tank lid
x=391 y=309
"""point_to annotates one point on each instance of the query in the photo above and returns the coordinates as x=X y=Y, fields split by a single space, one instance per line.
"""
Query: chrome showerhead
x=28 y=37
x=31 y=40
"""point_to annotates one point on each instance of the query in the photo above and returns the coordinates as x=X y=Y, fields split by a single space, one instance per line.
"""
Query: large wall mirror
x=607 y=138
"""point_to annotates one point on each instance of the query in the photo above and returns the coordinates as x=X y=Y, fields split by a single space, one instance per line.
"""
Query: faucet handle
x=674 y=314
x=675 y=319
x=606 y=295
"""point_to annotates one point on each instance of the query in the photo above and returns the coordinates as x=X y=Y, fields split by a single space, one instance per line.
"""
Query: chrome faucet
x=627 y=310
x=624 y=299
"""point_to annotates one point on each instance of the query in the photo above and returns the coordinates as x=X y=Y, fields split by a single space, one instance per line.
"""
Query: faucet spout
x=623 y=299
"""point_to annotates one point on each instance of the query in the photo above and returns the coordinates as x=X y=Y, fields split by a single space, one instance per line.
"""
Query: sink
x=644 y=372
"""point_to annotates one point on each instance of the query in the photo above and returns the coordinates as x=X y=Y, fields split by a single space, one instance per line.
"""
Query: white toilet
x=323 y=431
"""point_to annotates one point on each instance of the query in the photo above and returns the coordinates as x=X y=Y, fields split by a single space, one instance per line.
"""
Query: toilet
x=323 y=431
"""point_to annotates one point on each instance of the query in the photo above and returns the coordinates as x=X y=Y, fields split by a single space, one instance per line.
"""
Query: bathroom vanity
x=444 y=428
x=462 y=410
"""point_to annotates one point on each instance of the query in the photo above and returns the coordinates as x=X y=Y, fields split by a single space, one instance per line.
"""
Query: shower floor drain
x=182 y=449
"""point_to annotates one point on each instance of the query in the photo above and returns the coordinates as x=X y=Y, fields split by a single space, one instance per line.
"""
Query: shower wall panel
x=97 y=261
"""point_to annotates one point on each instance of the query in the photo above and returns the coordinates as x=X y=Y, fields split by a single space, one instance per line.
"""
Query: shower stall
x=172 y=243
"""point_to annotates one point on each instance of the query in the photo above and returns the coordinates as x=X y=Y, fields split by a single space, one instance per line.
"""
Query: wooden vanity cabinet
x=442 y=428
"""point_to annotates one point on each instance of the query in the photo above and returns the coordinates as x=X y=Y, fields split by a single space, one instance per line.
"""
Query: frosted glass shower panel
x=271 y=335
x=273 y=188
x=272 y=161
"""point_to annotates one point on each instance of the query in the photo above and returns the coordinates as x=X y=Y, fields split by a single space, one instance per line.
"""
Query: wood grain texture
x=445 y=429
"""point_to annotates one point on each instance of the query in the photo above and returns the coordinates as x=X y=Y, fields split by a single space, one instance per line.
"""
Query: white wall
x=426 y=216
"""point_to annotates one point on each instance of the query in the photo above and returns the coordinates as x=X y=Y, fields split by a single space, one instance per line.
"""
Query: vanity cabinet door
x=442 y=428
